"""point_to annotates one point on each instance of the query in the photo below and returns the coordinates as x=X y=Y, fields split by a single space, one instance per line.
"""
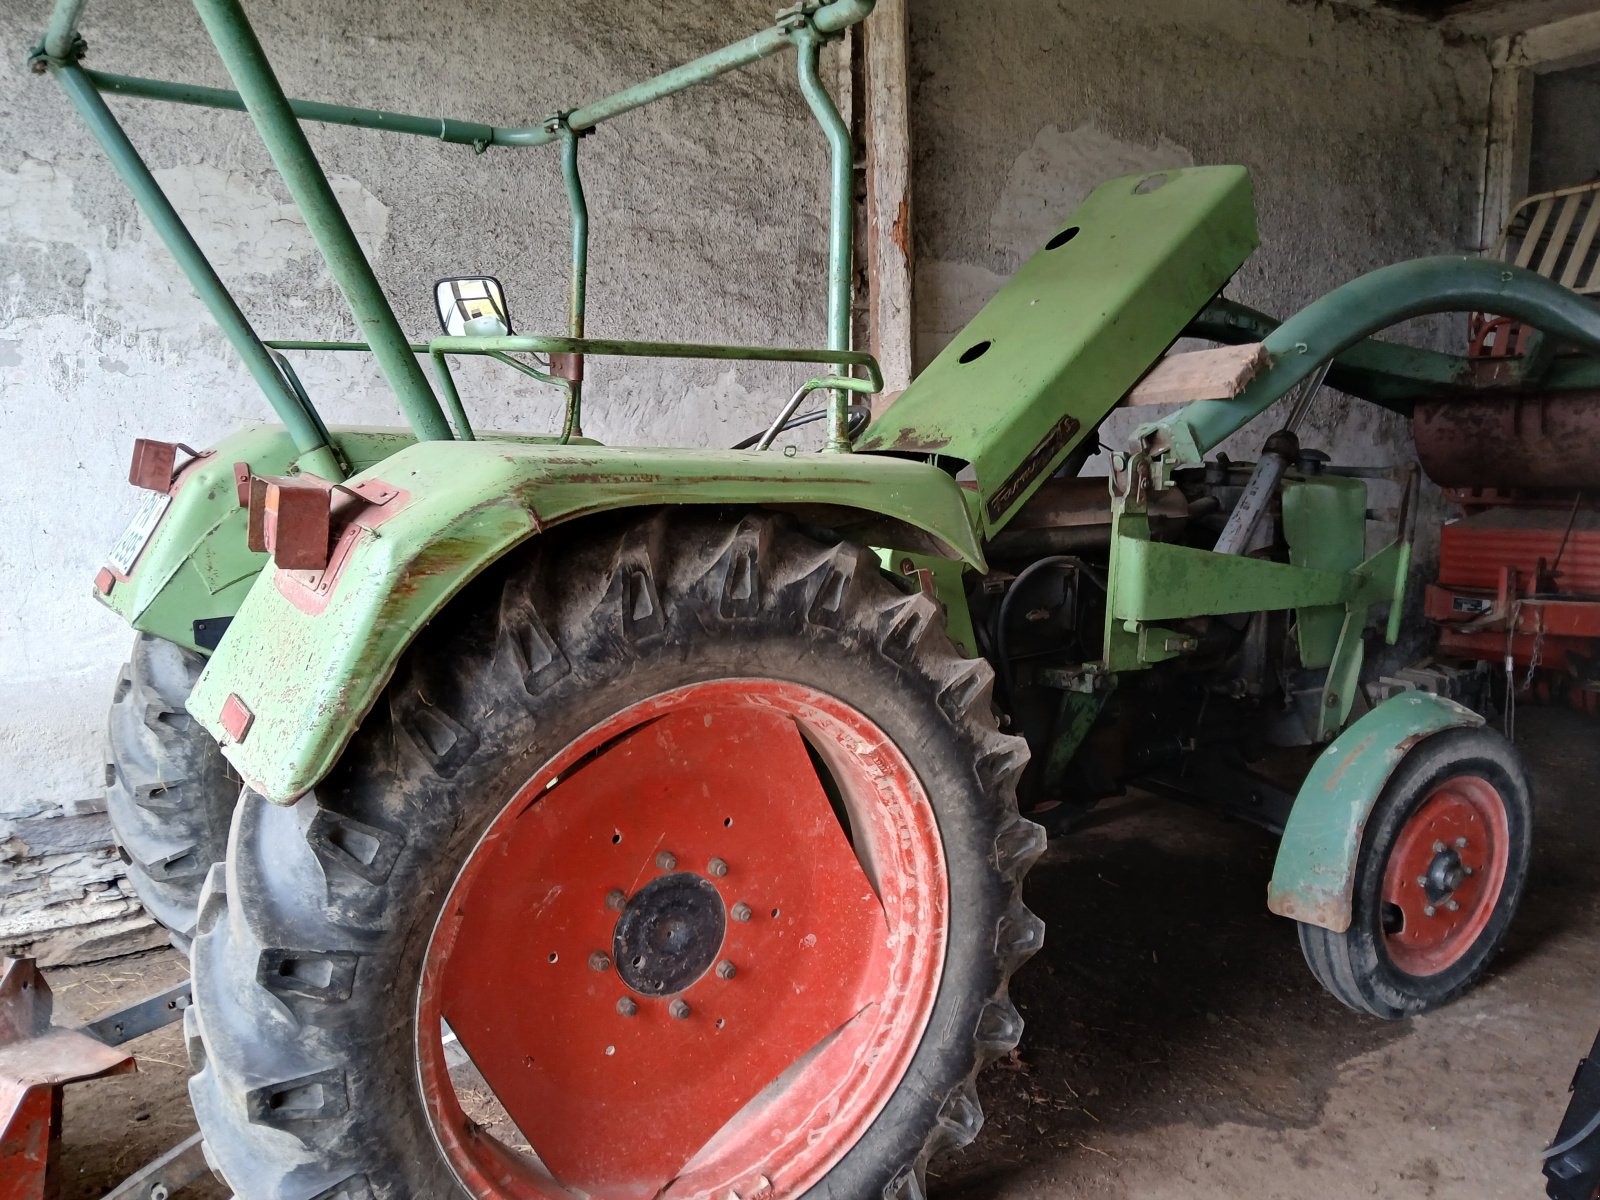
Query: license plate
x=126 y=551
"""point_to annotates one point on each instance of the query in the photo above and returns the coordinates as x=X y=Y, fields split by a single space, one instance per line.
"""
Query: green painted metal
x=1314 y=876
x=578 y=284
x=444 y=129
x=1065 y=338
x=471 y=503
x=1076 y=716
x=1345 y=316
x=948 y=579
x=1152 y=584
x=1324 y=522
x=841 y=222
x=291 y=153
x=301 y=421
x=196 y=564
x=540 y=344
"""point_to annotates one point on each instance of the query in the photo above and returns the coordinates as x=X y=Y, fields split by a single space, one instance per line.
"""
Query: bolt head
x=599 y=961
x=616 y=899
x=1468 y=871
x=1438 y=847
x=741 y=911
x=726 y=970
x=1428 y=911
x=679 y=1010
x=159 y=1191
x=666 y=860
x=716 y=868
x=1422 y=881
x=1453 y=906
x=627 y=1006
x=1461 y=843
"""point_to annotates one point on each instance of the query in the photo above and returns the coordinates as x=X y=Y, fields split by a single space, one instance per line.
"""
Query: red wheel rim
x=1445 y=875
x=706 y=804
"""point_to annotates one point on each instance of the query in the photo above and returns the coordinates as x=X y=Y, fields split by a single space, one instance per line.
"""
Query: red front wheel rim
x=693 y=956
x=1445 y=874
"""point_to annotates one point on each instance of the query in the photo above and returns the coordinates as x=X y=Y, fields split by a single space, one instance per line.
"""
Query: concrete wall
x=708 y=225
x=1365 y=136
x=1566 y=113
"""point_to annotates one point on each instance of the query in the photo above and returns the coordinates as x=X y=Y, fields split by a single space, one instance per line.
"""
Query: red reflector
x=152 y=464
x=104 y=581
x=236 y=718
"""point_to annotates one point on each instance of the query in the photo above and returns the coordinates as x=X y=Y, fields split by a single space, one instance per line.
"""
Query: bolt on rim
x=1445 y=874
x=639 y=932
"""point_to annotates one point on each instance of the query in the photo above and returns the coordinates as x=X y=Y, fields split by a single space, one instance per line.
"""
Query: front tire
x=1442 y=868
x=702 y=839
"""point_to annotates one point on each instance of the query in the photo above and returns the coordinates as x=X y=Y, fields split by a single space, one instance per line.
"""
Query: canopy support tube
x=247 y=63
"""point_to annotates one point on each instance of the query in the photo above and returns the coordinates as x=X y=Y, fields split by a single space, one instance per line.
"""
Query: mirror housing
x=472 y=306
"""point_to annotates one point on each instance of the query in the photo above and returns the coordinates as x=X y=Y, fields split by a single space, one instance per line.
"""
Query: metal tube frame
x=804 y=27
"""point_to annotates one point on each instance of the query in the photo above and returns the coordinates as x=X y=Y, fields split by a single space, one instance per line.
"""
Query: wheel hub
x=1445 y=873
x=669 y=934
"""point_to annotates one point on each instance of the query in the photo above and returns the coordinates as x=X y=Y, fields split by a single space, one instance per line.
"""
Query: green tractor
x=636 y=822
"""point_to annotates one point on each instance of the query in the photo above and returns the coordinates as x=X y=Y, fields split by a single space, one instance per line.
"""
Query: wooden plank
x=1496 y=18
x=888 y=131
x=1505 y=178
x=1219 y=374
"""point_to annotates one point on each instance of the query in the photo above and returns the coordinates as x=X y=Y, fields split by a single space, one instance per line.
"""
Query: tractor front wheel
x=1440 y=874
x=680 y=862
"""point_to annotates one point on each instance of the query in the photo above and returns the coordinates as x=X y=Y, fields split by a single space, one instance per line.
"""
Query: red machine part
x=37 y=1060
x=1523 y=582
x=696 y=827
x=1445 y=875
x=1536 y=441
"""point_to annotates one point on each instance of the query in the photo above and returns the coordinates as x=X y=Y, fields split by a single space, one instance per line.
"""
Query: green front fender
x=304 y=659
x=1314 y=878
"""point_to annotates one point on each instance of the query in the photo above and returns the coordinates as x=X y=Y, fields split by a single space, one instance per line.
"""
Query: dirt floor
x=1176 y=1045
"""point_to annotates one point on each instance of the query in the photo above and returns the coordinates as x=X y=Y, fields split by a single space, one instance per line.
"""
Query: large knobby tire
x=1441 y=871
x=754 y=762
x=169 y=793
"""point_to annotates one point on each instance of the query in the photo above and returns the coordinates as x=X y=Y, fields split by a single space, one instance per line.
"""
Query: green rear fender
x=309 y=653
x=1314 y=878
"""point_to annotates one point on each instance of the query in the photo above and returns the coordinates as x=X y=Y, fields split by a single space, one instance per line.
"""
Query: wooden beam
x=1574 y=42
x=1496 y=18
x=888 y=129
x=1218 y=374
x=1510 y=143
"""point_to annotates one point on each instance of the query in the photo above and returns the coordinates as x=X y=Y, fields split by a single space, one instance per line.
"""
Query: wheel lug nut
x=1428 y=911
x=627 y=1007
x=666 y=860
x=599 y=961
x=741 y=911
x=726 y=970
x=1453 y=906
x=616 y=899
x=1468 y=871
x=1422 y=881
x=679 y=1010
x=1438 y=847
x=1461 y=843
x=716 y=868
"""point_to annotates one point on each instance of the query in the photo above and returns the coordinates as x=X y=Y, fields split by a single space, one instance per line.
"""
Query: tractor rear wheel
x=1441 y=872
x=169 y=793
x=697 y=837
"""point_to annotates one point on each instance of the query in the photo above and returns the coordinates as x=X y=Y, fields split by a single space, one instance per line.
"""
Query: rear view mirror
x=472 y=306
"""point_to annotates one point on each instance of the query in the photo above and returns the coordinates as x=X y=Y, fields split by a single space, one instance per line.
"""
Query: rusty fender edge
x=303 y=662
x=1313 y=880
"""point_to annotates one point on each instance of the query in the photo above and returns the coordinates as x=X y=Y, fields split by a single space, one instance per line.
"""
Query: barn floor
x=1176 y=1046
